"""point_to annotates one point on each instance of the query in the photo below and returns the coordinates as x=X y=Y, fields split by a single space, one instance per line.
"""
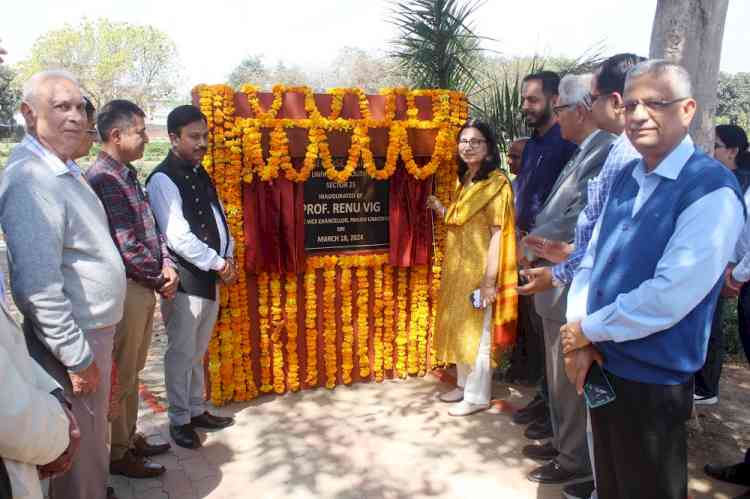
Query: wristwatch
x=59 y=394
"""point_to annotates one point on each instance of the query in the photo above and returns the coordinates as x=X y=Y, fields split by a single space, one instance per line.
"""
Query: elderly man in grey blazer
x=66 y=275
x=567 y=452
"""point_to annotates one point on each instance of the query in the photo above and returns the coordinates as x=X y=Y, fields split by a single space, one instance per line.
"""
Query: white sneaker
x=465 y=408
x=705 y=400
x=455 y=395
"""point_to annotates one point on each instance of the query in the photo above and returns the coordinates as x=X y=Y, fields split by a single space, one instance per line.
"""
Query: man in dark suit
x=567 y=452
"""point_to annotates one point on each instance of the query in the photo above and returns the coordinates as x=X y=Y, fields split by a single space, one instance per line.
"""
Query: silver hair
x=678 y=77
x=31 y=87
x=575 y=89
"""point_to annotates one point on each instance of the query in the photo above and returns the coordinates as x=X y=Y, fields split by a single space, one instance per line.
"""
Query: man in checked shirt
x=148 y=268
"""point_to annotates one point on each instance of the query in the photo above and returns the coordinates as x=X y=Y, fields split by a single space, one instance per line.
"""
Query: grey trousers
x=189 y=321
x=87 y=479
x=567 y=408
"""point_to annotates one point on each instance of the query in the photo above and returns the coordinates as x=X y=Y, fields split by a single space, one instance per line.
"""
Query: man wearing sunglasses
x=649 y=283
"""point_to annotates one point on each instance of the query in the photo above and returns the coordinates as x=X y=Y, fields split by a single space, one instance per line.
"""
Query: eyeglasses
x=93 y=132
x=593 y=96
x=718 y=146
x=471 y=142
x=651 y=105
x=558 y=109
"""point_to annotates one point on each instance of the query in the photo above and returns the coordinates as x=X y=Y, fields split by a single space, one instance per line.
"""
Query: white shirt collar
x=671 y=166
x=50 y=159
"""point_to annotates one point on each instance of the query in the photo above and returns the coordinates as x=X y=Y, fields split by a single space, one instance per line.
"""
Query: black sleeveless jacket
x=198 y=194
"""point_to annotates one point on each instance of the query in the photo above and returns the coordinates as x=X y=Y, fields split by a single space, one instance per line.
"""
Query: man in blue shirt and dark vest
x=642 y=301
x=543 y=158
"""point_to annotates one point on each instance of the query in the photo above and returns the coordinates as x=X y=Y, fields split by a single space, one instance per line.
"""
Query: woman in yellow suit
x=477 y=307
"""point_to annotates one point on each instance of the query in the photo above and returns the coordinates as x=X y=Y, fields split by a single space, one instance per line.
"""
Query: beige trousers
x=132 y=341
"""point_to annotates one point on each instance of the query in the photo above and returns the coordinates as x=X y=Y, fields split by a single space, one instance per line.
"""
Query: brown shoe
x=142 y=448
x=133 y=466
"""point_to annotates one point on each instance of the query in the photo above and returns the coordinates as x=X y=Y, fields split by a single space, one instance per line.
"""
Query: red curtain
x=410 y=228
x=274 y=226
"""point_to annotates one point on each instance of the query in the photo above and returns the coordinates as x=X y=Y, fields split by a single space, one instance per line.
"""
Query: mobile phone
x=597 y=390
x=475 y=299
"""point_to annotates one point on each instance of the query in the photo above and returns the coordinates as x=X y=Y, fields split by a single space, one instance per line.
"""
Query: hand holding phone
x=475 y=298
x=597 y=390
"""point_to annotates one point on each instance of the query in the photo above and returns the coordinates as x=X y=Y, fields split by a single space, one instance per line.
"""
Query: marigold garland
x=311 y=322
x=347 y=329
x=378 y=309
x=447 y=106
x=412 y=353
x=389 y=331
x=230 y=369
x=292 y=328
x=363 y=327
x=264 y=325
x=235 y=155
x=329 y=319
x=420 y=312
x=277 y=351
x=401 y=326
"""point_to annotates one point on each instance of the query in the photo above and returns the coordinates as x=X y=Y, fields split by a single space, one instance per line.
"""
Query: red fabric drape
x=410 y=224
x=274 y=226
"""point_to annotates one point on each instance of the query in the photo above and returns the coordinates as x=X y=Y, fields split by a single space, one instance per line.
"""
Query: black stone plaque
x=347 y=215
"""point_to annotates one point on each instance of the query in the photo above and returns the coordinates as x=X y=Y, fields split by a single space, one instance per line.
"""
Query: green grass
x=5 y=148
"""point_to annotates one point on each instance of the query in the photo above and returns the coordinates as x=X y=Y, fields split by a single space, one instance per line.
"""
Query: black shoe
x=544 y=452
x=737 y=473
x=580 y=490
x=536 y=409
x=185 y=436
x=552 y=472
x=211 y=422
x=539 y=430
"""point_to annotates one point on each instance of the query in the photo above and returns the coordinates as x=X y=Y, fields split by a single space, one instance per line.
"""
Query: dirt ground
x=725 y=434
x=723 y=438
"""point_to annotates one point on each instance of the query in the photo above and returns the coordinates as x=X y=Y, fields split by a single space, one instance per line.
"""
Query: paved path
x=392 y=441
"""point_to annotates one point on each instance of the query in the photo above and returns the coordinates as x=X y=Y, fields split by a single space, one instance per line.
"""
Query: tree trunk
x=690 y=32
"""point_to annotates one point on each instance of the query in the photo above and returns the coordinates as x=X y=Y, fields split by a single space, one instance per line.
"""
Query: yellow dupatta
x=468 y=202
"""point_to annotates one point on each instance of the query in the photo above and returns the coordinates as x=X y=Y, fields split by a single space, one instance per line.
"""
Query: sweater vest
x=627 y=253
